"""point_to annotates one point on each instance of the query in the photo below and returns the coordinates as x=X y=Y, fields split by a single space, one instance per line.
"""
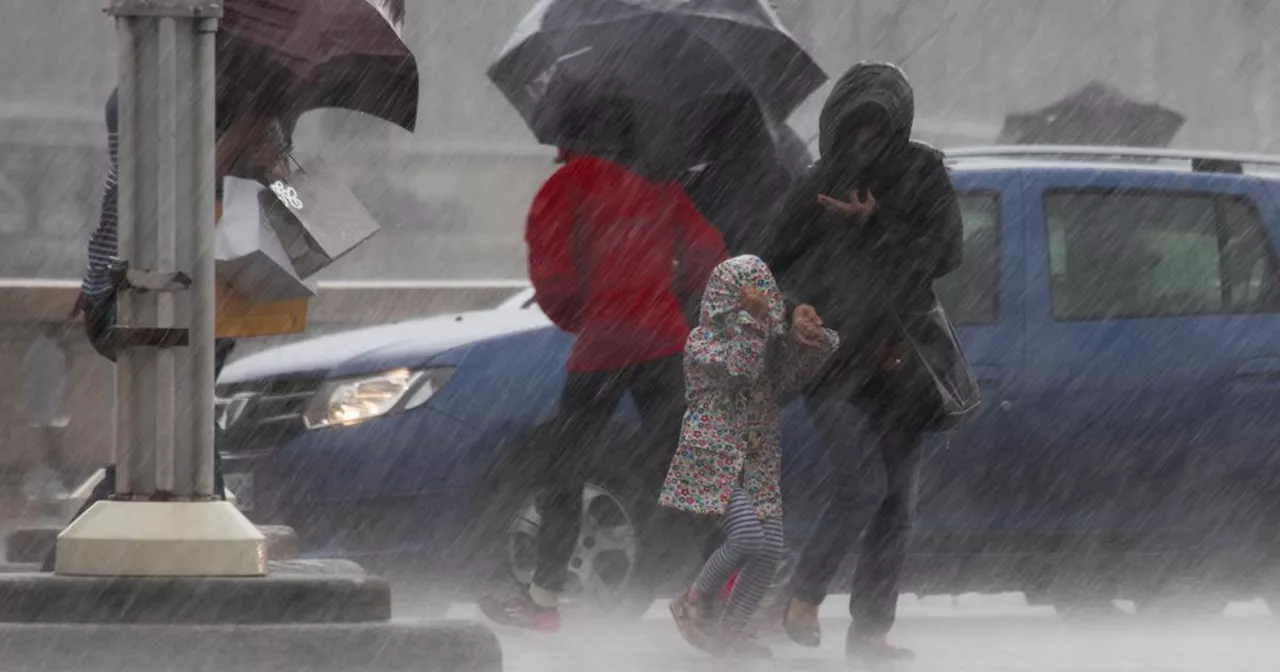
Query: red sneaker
x=519 y=611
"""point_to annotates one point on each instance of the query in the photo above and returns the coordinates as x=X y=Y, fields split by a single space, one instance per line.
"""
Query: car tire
x=504 y=521
x=609 y=572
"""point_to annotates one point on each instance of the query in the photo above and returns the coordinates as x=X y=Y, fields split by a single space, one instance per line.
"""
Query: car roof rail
x=1201 y=162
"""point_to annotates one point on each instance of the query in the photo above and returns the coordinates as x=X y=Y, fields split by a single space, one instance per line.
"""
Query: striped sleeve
x=104 y=243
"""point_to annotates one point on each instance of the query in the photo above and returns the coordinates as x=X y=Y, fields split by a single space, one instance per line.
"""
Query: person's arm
x=700 y=248
x=941 y=247
x=801 y=361
x=734 y=354
x=553 y=271
x=935 y=247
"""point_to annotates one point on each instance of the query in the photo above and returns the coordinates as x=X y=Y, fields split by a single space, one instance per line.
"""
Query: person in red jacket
x=613 y=257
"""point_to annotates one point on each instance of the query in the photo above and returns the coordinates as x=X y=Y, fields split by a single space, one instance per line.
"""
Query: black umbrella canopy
x=1097 y=114
x=662 y=55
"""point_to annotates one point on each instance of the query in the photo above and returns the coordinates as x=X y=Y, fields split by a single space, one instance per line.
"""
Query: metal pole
x=169 y=106
x=204 y=292
x=127 y=135
x=165 y=395
x=163 y=520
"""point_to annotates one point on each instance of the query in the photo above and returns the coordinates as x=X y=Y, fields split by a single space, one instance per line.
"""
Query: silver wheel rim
x=604 y=557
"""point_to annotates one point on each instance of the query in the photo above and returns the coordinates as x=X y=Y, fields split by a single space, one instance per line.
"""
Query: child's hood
x=723 y=295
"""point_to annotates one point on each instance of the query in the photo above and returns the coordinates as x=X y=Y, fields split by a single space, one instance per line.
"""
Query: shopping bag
x=238 y=317
x=316 y=216
x=250 y=257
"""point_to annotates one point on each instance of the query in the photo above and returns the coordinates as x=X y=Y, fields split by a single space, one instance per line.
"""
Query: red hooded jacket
x=612 y=257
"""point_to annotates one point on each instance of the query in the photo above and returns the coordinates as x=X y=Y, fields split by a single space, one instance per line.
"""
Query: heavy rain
x=652 y=335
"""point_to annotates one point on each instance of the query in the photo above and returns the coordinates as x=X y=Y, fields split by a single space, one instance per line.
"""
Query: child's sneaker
x=693 y=618
x=518 y=610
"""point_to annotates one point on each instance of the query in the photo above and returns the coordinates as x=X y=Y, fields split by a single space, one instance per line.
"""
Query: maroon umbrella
x=302 y=55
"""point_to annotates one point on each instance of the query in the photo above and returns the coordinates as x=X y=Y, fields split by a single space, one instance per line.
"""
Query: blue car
x=1121 y=309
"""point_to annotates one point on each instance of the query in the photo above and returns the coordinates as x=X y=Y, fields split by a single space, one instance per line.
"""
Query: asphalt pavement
x=967 y=633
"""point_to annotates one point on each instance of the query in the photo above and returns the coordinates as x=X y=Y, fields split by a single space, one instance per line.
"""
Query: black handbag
x=940 y=361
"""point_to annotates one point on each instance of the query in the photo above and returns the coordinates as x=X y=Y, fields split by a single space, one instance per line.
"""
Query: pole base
x=396 y=646
x=287 y=597
x=162 y=539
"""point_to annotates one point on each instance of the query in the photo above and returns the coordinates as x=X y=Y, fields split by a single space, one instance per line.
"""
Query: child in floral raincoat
x=738 y=361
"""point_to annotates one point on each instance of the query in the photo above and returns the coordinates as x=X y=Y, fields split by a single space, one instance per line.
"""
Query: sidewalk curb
x=395 y=646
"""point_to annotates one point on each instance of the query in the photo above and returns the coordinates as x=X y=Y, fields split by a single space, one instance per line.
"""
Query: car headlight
x=350 y=401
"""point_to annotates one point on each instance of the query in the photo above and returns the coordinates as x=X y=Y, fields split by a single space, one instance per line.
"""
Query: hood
x=880 y=84
x=373 y=349
x=723 y=296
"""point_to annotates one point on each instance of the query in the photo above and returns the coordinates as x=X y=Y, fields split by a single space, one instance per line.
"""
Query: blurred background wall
x=452 y=197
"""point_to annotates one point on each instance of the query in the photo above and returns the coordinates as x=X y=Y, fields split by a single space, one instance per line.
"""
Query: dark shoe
x=874 y=650
x=801 y=624
x=516 y=609
x=693 y=618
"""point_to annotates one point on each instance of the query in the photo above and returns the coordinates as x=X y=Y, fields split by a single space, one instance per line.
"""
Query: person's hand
x=756 y=304
x=806 y=326
x=856 y=207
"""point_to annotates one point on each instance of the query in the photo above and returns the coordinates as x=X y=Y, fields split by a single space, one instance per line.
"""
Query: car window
x=1116 y=255
x=971 y=293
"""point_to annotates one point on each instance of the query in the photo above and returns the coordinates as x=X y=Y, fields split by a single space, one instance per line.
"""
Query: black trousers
x=874 y=458
x=587 y=404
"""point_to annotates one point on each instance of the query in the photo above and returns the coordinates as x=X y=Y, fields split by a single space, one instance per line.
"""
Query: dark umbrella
x=1097 y=114
x=302 y=55
x=659 y=54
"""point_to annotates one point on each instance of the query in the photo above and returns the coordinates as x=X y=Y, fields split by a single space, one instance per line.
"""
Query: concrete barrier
x=396 y=646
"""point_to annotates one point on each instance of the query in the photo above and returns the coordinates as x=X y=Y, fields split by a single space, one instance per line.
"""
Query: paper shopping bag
x=250 y=256
x=238 y=317
x=316 y=216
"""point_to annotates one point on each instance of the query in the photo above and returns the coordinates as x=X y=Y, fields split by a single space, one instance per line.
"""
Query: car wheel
x=605 y=569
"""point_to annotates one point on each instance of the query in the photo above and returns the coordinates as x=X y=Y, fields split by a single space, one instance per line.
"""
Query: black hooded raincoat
x=859 y=273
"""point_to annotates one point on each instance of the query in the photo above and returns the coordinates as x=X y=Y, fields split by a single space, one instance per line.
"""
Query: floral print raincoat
x=735 y=370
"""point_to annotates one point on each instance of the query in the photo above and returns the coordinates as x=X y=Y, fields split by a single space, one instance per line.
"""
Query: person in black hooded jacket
x=861 y=237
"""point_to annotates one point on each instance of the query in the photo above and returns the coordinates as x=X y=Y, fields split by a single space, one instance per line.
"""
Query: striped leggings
x=754 y=547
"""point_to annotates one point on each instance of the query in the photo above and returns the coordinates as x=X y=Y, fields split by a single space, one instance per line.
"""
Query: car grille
x=257 y=416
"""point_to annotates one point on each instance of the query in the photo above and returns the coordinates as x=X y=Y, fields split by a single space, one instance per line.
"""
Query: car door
x=1131 y=345
x=1237 y=481
x=984 y=300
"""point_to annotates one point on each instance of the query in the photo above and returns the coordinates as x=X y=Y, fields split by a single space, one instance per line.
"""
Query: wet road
x=975 y=633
